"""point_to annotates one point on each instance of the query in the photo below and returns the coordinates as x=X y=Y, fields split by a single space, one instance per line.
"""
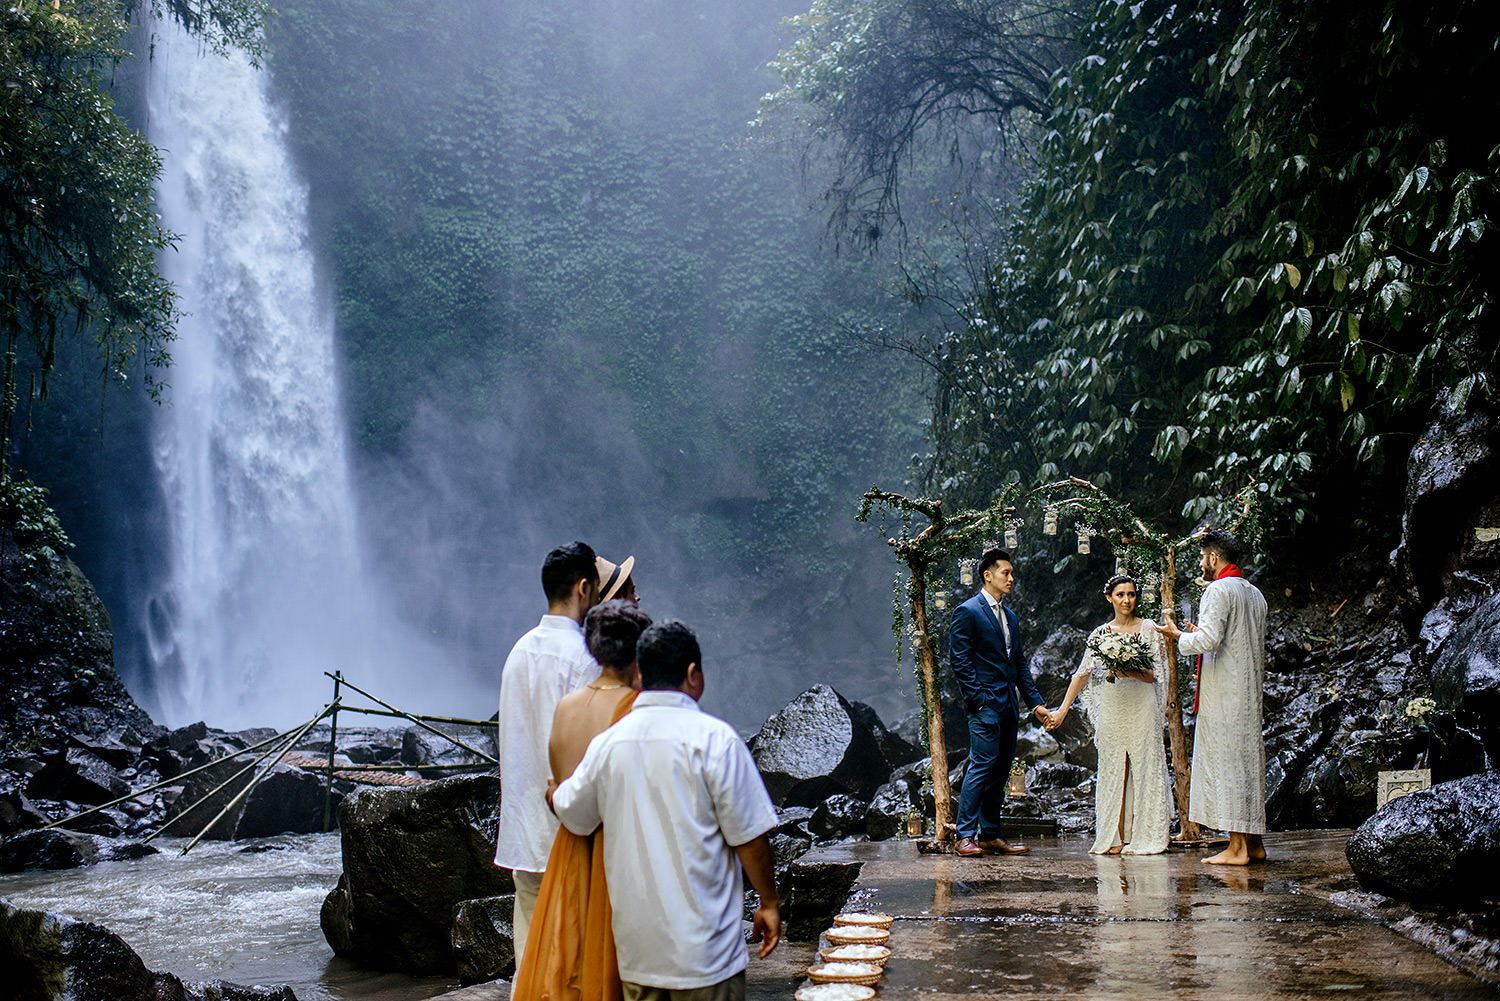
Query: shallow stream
x=244 y=911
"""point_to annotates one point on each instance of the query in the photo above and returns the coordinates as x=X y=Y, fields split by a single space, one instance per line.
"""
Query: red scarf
x=1229 y=571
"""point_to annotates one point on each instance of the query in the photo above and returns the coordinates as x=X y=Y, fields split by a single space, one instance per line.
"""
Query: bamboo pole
x=459 y=721
x=333 y=744
x=1176 y=732
x=937 y=740
x=408 y=716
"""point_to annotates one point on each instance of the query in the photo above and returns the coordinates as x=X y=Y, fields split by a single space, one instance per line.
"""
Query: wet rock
x=422 y=747
x=1466 y=674
x=59 y=849
x=410 y=855
x=483 y=938
x=78 y=775
x=1452 y=473
x=1054 y=660
x=1035 y=744
x=838 y=817
x=1438 y=845
x=52 y=957
x=1057 y=775
x=287 y=801
x=793 y=820
x=886 y=817
x=786 y=849
x=895 y=747
x=818 y=746
x=811 y=894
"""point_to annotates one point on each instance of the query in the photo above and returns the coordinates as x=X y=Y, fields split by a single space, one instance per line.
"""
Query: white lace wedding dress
x=1129 y=717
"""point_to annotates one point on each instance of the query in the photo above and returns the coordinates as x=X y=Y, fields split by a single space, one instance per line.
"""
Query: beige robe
x=1228 y=791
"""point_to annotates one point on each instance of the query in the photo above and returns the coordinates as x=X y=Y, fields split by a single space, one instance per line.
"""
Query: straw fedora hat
x=612 y=577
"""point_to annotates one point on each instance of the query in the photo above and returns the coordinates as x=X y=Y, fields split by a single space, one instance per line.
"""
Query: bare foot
x=1255 y=848
x=1225 y=858
x=1113 y=851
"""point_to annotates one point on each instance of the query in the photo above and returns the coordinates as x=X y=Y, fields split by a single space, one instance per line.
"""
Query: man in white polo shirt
x=547 y=663
x=683 y=809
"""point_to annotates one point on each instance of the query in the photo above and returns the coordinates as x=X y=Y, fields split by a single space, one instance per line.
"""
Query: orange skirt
x=570 y=950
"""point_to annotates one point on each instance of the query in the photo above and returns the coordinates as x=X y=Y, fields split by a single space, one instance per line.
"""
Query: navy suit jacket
x=988 y=673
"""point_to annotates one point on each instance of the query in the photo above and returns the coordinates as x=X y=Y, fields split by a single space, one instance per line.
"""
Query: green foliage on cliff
x=1258 y=243
x=79 y=236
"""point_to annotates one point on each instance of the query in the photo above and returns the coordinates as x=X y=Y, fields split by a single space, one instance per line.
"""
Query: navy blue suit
x=992 y=677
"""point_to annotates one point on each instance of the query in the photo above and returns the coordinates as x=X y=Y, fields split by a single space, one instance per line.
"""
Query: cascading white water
x=266 y=589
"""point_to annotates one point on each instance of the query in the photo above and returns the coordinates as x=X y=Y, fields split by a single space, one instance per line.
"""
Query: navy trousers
x=992 y=747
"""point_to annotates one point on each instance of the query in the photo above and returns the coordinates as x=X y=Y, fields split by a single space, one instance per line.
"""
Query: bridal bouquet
x=1122 y=653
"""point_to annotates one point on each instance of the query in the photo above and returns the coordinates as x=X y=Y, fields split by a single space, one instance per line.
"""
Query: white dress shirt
x=1000 y=615
x=675 y=788
x=547 y=663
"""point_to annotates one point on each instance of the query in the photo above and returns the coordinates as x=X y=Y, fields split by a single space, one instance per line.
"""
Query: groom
x=984 y=647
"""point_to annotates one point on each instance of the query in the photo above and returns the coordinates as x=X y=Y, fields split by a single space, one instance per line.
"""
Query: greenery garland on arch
x=1152 y=557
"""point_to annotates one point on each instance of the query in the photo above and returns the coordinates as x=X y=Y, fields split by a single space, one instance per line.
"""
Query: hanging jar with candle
x=1049 y=521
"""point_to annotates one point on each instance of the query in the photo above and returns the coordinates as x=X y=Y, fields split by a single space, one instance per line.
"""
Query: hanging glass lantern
x=940 y=600
x=1049 y=521
x=966 y=573
x=1012 y=537
x=1083 y=542
x=1016 y=788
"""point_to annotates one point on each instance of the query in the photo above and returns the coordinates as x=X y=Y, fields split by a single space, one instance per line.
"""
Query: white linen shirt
x=547 y=663
x=675 y=788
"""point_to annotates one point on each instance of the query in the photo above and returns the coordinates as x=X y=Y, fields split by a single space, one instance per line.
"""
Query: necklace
x=604 y=688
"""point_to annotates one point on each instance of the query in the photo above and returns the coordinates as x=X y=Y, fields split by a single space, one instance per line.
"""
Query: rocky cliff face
x=57 y=658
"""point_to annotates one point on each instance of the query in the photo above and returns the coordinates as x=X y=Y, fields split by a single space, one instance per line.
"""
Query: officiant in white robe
x=1228 y=790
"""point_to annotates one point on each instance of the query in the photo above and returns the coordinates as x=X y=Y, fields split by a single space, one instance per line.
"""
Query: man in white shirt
x=1228 y=791
x=683 y=809
x=547 y=663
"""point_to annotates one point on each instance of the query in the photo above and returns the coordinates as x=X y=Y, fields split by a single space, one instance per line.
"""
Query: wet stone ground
x=1062 y=923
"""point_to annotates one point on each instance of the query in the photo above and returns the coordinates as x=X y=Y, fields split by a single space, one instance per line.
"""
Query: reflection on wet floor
x=1061 y=922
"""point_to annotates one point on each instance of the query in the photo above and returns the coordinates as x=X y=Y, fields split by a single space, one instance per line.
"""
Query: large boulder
x=59 y=849
x=52 y=957
x=410 y=855
x=819 y=746
x=287 y=800
x=1438 y=845
x=1466 y=674
x=812 y=892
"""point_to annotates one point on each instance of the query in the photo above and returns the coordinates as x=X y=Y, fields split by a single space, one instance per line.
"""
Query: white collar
x=669 y=697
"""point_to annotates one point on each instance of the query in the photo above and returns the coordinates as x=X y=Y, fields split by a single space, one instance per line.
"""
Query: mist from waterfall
x=265 y=587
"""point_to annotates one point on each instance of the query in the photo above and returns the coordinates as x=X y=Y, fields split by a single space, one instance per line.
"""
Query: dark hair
x=612 y=629
x=566 y=566
x=663 y=654
x=1117 y=580
x=991 y=557
x=1222 y=542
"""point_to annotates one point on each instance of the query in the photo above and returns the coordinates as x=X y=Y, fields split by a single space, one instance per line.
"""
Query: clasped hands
x=1045 y=715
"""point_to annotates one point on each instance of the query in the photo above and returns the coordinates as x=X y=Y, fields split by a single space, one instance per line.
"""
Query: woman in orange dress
x=569 y=953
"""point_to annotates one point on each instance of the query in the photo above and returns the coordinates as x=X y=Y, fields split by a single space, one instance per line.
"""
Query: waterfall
x=265 y=588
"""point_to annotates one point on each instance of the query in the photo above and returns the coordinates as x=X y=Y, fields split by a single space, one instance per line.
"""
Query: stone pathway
x=1062 y=923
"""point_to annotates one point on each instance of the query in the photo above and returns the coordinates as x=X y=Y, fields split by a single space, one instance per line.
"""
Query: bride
x=1127 y=707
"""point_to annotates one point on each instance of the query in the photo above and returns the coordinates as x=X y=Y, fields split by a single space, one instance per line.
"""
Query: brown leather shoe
x=999 y=846
x=966 y=848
